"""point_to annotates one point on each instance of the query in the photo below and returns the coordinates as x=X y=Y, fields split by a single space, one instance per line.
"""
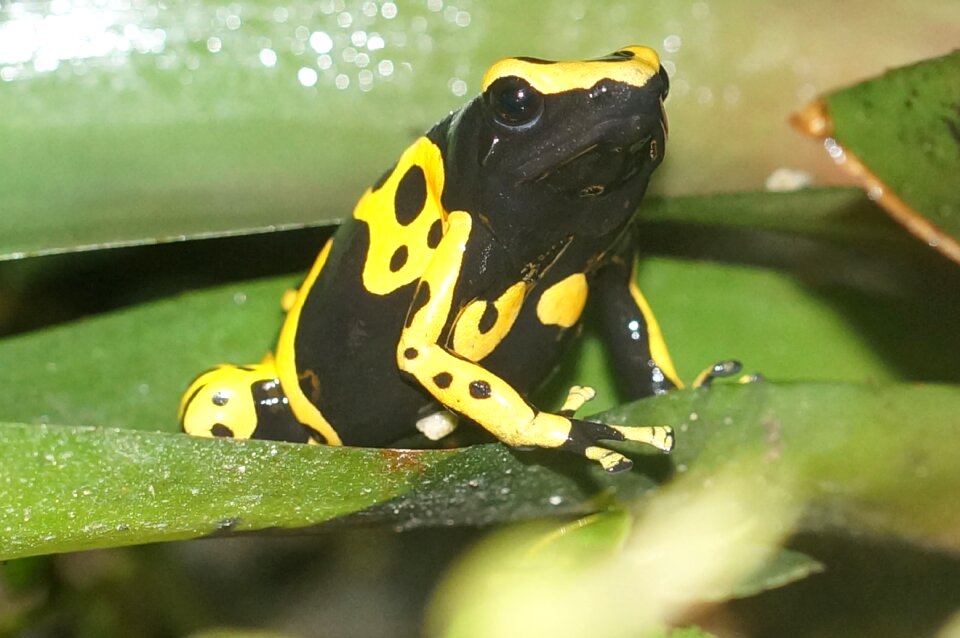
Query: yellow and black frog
x=464 y=272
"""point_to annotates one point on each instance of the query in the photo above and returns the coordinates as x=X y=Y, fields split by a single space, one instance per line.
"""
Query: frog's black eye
x=514 y=102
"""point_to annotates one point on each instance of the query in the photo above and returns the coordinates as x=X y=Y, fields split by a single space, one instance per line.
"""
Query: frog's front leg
x=468 y=388
x=632 y=333
x=635 y=341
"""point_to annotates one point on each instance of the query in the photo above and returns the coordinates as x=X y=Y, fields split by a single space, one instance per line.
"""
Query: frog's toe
x=725 y=368
x=577 y=396
x=658 y=436
x=611 y=461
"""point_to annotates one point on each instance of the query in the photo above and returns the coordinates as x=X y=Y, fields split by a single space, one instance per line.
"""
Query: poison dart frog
x=463 y=273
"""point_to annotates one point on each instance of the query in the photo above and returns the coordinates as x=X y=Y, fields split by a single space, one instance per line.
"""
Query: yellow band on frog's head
x=633 y=65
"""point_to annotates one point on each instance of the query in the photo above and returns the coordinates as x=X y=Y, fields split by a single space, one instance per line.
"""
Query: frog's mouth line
x=598 y=168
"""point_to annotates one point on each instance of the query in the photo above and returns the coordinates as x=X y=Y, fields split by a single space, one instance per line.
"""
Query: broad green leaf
x=837 y=214
x=75 y=488
x=900 y=134
x=128 y=369
x=147 y=122
x=875 y=459
x=886 y=463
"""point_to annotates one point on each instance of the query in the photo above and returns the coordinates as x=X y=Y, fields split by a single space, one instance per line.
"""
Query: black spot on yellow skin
x=420 y=299
x=443 y=380
x=480 y=389
x=411 y=195
x=399 y=259
x=488 y=319
x=435 y=234
x=410 y=353
x=220 y=430
x=220 y=399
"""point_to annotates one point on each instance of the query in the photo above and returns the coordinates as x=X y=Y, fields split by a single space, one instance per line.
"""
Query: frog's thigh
x=461 y=385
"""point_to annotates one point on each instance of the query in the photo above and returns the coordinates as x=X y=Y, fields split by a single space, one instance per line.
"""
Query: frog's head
x=589 y=131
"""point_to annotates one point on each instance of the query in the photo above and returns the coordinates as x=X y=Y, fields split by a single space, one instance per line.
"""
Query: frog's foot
x=721 y=369
x=577 y=396
x=584 y=436
x=754 y=377
x=613 y=462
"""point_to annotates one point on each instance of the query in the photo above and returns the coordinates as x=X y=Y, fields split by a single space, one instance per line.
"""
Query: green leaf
x=877 y=459
x=900 y=133
x=163 y=121
x=69 y=488
x=573 y=544
x=837 y=214
x=689 y=545
x=580 y=543
x=129 y=368
x=787 y=566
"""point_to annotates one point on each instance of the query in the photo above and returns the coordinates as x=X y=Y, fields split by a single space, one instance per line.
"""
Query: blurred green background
x=126 y=123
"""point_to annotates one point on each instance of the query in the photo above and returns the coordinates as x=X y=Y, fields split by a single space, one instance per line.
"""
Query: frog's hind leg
x=241 y=402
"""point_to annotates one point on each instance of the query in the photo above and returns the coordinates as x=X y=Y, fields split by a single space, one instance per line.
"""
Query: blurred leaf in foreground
x=690 y=545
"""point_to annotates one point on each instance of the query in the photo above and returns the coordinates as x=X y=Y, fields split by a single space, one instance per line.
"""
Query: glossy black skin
x=532 y=221
x=275 y=420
